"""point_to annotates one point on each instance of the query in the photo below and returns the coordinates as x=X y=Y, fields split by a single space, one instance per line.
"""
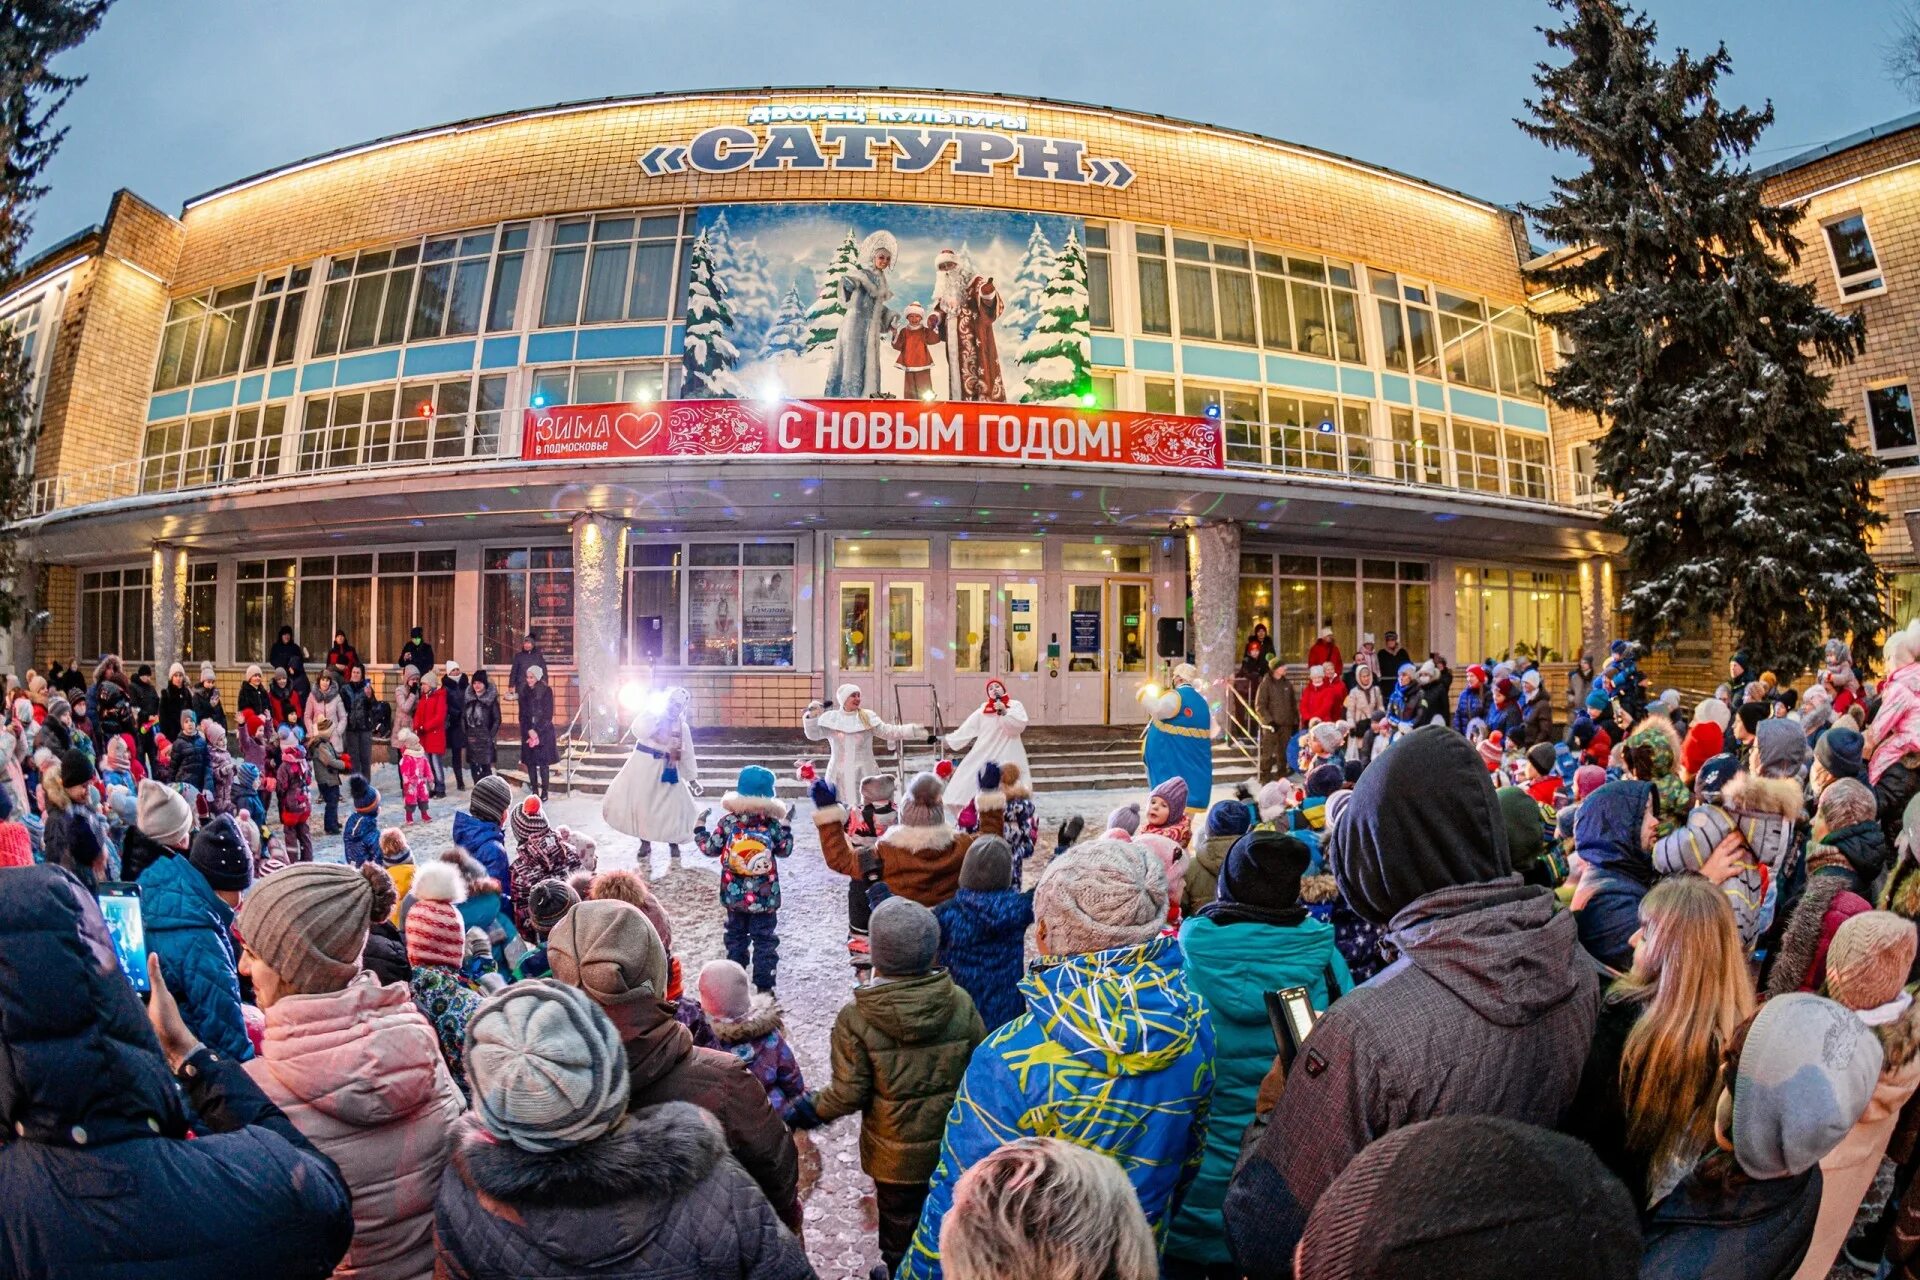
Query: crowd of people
x=1456 y=992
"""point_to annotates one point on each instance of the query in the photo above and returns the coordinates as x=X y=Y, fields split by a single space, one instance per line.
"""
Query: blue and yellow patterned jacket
x=1114 y=1054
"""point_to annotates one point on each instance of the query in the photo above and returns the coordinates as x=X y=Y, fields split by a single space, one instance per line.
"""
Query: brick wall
x=59 y=596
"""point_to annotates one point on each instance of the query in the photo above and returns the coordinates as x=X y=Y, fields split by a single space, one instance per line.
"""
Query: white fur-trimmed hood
x=919 y=839
x=1751 y=793
x=759 y=806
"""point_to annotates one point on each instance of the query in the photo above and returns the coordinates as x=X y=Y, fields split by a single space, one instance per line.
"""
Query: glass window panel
x=1307 y=268
x=856 y=626
x=363 y=315
x=713 y=554
x=430 y=301
x=1276 y=324
x=1298 y=621
x=596 y=386
x=1346 y=326
x=655 y=226
x=565 y=267
x=767 y=553
x=1236 y=307
x=469 y=288
x=1852 y=247
x=1156 y=310
x=766 y=609
x=1393 y=337
x=1379 y=603
x=1099 y=290
x=1157 y=397
x=653 y=617
x=906 y=643
x=607 y=282
x=1020 y=634
x=885 y=553
x=1890 y=409
x=1310 y=320
x=260 y=336
x=503 y=616
x=977 y=553
x=1196 y=301
x=1414 y=628
x=506 y=292
x=652 y=282
x=572 y=232
x=1083 y=597
x=393 y=318
x=1120 y=557
x=1421 y=341
x=972 y=628
x=1254 y=604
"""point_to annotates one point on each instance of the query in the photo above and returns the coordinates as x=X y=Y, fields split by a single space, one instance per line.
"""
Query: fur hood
x=1319 y=890
x=1900 y=1040
x=755 y=806
x=1801 y=939
x=1751 y=793
x=656 y=1153
x=765 y=1015
x=921 y=839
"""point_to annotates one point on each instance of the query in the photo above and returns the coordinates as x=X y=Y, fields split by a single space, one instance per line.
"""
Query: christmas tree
x=1023 y=294
x=788 y=334
x=708 y=355
x=1054 y=356
x=1738 y=488
x=743 y=271
x=828 y=309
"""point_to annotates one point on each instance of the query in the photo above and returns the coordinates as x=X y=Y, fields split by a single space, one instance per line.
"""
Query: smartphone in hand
x=120 y=904
x=1290 y=1013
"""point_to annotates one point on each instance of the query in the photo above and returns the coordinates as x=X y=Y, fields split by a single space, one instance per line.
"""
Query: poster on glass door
x=887 y=301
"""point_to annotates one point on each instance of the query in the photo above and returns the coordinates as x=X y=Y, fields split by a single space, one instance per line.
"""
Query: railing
x=1268 y=448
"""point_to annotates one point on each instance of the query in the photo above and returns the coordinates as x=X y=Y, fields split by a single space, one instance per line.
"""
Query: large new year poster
x=885 y=301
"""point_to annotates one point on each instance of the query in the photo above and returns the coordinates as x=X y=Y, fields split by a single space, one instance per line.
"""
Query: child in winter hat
x=1166 y=811
x=361 y=836
x=416 y=775
x=538 y=851
x=437 y=949
x=749 y=841
x=395 y=857
x=547 y=904
x=1125 y=819
x=983 y=931
x=1173 y=863
x=1227 y=821
x=750 y=1026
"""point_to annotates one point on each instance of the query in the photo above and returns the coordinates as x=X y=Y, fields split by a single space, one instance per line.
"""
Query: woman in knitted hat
x=1867 y=968
x=437 y=948
x=1795 y=1079
x=1252 y=938
x=1115 y=1051
x=554 y=1176
x=539 y=748
x=652 y=799
x=351 y=1062
x=609 y=950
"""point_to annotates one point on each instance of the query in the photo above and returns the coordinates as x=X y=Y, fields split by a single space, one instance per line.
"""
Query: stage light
x=1326 y=426
x=539 y=402
x=1089 y=401
x=426 y=409
x=770 y=392
x=1213 y=411
x=631 y=694
x=927 y=396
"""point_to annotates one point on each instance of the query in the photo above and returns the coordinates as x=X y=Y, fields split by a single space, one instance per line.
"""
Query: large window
x=375 y=597
x=1465 y=344
x=1516 y=348
x=203 y=594
x=614 y=267
x=216 y=448
x=413 y=422
x=1099 y=278
x=412 y=589
x=710 y=604
x=1156 y=303
x=1408 y=329
x=225 y=331
x=640 y=383
x=24 y=323
x=1890 y=414
x=116 y=614
x=433 y=288
x=1284 y=430
x=1501 y=612
x=1360 y=599
x=1855 y=265
x=335 y=594
x=1214 y=280
x=1307 y=304
x=526 y=590
x=264 y=593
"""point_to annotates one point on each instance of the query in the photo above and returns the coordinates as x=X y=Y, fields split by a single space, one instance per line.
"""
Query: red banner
x=871 y=429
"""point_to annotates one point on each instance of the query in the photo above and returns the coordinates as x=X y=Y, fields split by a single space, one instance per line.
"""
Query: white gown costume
x=996 y=740
x=652 y=798
x=849 y=737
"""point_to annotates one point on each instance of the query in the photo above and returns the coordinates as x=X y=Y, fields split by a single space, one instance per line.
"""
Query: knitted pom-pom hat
x=435 y=934
x=923 y=806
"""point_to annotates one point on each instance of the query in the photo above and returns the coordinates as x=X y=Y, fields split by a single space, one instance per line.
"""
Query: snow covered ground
x=815 y=979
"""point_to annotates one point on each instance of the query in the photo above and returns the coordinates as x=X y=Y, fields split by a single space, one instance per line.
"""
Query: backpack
x=295 y=804
x=747 y=854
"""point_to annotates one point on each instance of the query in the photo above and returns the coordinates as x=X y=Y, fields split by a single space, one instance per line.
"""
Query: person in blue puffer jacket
x=983 y=932
x=361 y=836
x=1476 y=700
x=1114 y=1052
x=98 y=1175
x=187 y=904
x=1254 y=937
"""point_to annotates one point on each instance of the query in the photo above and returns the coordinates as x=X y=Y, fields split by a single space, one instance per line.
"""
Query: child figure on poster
x=1179 y=741
x=994 y=729
x=652 y=798
x=849 y=729
x=914 y=343
x=868 y=322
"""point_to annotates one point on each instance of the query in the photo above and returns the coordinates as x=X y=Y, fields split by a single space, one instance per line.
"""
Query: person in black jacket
x=289 y=655
x=98 y=1175
x=455 y=685
x=480 y=725
x=256 y=708
x=206 y=699
x=146 y=709
x=175 y=698
x=418 y=654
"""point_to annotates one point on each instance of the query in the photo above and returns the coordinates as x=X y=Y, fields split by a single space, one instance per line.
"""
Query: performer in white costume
x=652 y=798
x=994 y=729
x=849 y=731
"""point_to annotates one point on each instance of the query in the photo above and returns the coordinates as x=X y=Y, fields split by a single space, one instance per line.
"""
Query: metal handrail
x=586 y=703
x=1250 y=756
x=1393 y=464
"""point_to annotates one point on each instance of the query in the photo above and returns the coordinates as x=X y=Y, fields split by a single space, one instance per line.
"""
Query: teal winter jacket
x=1114 y=1054
x=191 y=930
x=1232 y=967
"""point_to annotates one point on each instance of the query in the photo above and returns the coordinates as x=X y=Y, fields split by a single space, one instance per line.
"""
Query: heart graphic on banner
x=637 y=430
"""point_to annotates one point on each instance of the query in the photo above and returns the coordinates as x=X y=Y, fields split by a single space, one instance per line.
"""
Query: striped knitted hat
x=546 y=1065
x=435 y=933
x=489 y=798
x=529 y=819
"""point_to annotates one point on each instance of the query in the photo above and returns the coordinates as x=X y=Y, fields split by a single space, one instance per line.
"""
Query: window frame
x=509 y=244
x=91 y=590
x=284 y=290
x=550 y=555
x=683 y=568
x=390 y=428
x=589 y=247
x=1861 y=284
x=1903 y=455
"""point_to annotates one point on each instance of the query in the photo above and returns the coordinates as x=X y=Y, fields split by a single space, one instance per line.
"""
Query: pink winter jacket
x=359 y=1072
x=1896 y=728
x=416 y=777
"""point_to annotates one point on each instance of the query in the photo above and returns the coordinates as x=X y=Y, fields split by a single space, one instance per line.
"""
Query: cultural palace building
x=462 y=378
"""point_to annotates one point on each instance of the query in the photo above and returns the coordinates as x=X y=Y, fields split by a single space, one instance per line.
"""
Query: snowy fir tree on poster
x=799 y=256
x=787 y=336
x=708 y=356
x=1055 y=356
x=824 y=316
x=1029 y=283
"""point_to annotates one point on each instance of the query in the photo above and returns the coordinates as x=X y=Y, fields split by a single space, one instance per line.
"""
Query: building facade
x=328 y=397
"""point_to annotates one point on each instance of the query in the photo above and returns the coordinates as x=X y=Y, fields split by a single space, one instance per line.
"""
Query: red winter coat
x=1322 y=702
x=430 y=721
x=1327 y=653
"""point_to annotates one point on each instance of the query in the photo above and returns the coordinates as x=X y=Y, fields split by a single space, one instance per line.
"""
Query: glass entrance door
x=1130 y=649
x=882 y=643
x=998 y=633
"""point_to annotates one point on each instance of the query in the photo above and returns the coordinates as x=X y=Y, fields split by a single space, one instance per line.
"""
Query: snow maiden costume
x=994 y=729
x=1179 y=741
x=652 y=799
x=866 y=331
x=850 y=735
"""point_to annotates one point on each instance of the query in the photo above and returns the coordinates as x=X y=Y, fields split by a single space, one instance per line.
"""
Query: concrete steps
x=1095 y=758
